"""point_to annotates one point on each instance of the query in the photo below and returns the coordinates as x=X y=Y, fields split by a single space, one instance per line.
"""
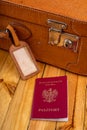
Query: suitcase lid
x=75 y=9
x=73 y=13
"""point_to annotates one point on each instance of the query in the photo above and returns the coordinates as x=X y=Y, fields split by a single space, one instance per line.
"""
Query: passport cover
x=50 y=99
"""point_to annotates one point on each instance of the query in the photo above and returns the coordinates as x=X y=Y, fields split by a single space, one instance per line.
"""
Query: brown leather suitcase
x=55 y=30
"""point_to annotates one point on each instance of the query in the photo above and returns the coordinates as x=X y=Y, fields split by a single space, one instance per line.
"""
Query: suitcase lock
x=58 y=37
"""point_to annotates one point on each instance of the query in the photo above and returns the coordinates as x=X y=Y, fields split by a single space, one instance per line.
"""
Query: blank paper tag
x=24 y=60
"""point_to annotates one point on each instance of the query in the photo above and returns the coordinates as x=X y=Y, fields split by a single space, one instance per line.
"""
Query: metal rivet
x=67 y=43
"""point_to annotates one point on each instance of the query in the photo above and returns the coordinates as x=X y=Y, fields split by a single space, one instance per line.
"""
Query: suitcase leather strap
x=22 y=32
x=13 y=35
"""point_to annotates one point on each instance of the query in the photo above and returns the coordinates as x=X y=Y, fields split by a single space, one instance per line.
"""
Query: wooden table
x=16 y=98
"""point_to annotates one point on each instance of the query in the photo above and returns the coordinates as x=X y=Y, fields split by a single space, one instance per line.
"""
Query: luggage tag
x=22 y=56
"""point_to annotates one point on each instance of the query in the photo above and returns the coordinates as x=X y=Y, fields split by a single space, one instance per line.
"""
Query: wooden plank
x=46 y=125
x=10 y=75
x=76 y=104
x=85 y=122
x=10 y=78
x=41 y=125
x=4 y=96
x=3 y=56
x=5 y=99
x=77 y=88
x=80 y=104
x=72 y=87
x=18 y=115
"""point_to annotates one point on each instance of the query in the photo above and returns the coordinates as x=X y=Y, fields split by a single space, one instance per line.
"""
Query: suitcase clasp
x=58 y=37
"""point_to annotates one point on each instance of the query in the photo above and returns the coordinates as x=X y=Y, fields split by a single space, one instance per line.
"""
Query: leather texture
x=34 y=15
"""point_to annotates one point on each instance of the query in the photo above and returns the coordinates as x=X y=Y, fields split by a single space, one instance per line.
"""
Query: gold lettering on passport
x=49 y=95
x=50 y=82
x=48 y=109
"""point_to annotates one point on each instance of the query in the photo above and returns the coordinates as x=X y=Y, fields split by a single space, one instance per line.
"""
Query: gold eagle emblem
x=49 y=95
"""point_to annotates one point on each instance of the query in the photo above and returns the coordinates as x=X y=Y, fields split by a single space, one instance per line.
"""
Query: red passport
x=50 y=99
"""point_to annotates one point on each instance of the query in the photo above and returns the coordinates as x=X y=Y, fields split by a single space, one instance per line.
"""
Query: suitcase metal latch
x=58 y=37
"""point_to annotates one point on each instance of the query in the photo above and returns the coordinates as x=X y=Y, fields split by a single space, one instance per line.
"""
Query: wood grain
x=18 y=115
x=4 y=96
x=5 y=99
x=79 y=117
x=85 y=122
x=9 y=79
x=10 y=75
x=3 y=56
x=16 y=99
